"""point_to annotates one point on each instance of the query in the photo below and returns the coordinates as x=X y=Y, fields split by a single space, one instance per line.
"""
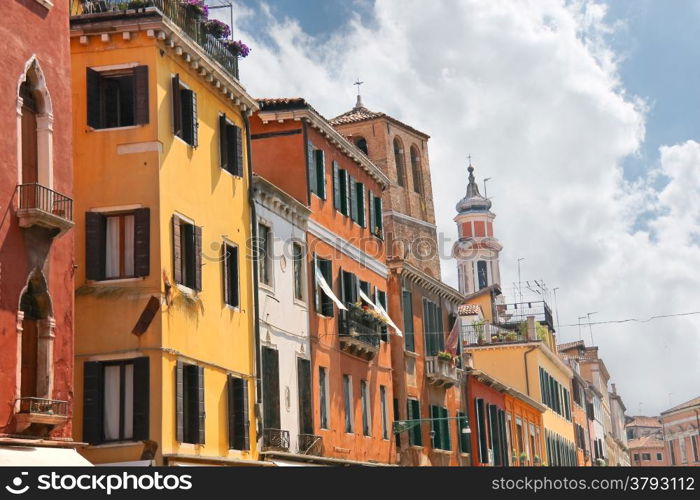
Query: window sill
x=184 y=141
x=267 y=287
x=187 y=290
x=107 y=282
x=416 y=447
x=113 y=129
x=301 y=303
x=116 y=444
x=232 y=308
x=235 y=176
x=441 y=452
x=411 y=354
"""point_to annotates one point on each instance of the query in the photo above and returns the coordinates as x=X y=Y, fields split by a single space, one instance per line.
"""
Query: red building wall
x=30 y=30
x=479 y=390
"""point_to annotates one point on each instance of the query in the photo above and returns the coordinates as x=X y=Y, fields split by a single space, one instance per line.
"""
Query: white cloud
x=530 y=90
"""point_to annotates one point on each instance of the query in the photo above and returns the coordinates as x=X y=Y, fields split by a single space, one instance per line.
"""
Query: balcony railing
x=43 y=406
x=512 y=315
x=479 y=333
x=441 y=372
x=310 y=444
x=359 y=332
x=175 y=12
x=275 y=439
x=37 y=416
x=39 y=205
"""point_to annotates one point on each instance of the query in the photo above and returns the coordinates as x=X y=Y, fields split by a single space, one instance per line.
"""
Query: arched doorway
x=36 y=338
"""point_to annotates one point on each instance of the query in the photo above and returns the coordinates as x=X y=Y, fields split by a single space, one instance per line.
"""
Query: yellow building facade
x=165 y=343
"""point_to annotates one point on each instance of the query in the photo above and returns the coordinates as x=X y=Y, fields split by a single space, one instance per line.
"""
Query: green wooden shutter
x=238 y=152
x=142 y=383
x=445 y=430
x=436 y=439
x=336 y=186
x=481 y=426
x=95 y=245
x=93 y=98
x=177 y=250
x=93 y=391
x=352 y=198
x=348 y=194
x=361 y=219
x=320 y=173
x=195 y=121
x=311 y=167
x=141 y=95
x=142 y=242
x=409 y=339
x=343 y=191
x=379 y=213
x=372 y=217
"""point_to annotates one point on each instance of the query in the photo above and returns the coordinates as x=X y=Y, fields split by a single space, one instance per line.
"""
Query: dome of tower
x=473 y=201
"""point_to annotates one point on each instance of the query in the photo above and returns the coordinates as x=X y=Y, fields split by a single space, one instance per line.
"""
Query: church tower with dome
x=477 y=250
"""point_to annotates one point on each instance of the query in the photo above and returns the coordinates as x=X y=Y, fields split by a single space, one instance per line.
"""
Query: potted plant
x=511 y=337
x=536 y=460
x=600 y=462
x=216 y=28
x=138 y=4
x=237 y=47
x=515 y=457
x=523 y=458
x=444 y=355
x=195 y=8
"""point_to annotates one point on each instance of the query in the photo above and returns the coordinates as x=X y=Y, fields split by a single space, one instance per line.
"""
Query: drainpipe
x=256 y=299
x=527 y=373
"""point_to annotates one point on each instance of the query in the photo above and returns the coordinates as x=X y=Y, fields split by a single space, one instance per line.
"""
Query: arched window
x=34 y=121
x=400 y=164
x=361 y=144
x=416 y=170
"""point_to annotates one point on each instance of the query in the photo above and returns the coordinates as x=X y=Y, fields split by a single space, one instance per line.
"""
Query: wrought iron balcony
x=41 y=206
x=360 y=332
x=275 y=440
x=310 y=445
x=441 y=372
x=41 y=414
x=173 y=10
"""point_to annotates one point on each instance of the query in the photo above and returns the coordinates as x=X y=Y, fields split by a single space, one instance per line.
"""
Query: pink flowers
x=216 y=28
x=238 y=47
x=197 y=7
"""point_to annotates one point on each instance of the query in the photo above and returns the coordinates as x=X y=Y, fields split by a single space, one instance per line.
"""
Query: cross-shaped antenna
x=470 y=160
x=358 y=83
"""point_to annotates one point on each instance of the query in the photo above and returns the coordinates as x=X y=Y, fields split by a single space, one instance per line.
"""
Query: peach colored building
x=681 y=433
x=647 y=451
x=297 y=150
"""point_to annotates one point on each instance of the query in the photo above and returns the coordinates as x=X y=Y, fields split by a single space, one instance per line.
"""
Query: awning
x=378 y=307
x=320 y=281
x=291 y=463
x=28 y=456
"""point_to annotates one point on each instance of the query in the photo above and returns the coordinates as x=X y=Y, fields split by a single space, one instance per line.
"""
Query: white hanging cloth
x=378 y=307
x=321 y=281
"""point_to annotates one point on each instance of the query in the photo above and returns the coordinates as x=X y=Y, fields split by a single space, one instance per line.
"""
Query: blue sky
x=585 y=115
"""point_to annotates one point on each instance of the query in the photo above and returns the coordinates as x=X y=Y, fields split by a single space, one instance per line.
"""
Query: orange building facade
x=298 y=151
x=525 y=435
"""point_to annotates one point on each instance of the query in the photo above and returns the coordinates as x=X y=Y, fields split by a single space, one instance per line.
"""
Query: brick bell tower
x=476 y=251
x=401 y=152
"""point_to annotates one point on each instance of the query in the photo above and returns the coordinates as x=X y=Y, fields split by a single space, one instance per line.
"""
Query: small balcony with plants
x=360 y=330
x=189 y=16
x=441 y=370
x=44 y=207
x=38 y=416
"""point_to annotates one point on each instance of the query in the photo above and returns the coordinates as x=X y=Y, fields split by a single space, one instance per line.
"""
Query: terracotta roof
x=645 y=442
x=283 y=102
x=360 y=114
x=469 y=310
x=644 y=422
x=570 y=345
x=687 y=404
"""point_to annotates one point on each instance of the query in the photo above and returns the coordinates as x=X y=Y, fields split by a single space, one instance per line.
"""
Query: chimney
x=531 y=329
x=614 y=389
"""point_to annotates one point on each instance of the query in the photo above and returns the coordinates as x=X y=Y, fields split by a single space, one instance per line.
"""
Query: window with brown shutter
x=238 y=421
x=117 y=244
x=230 y=146
x=189 y=403
x=117 y=98
x=185 y=124
x=230 y=272
x=187 y=254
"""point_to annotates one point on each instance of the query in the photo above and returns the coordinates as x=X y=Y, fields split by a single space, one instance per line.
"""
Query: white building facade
x=287 y=411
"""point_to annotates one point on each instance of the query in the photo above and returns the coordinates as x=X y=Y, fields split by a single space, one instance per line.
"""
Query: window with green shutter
x=311 y=168
x=415 y=437
x=320 y=159
x=372 y=216
x=343 y=191
x=352 y=197
x=361 y=204
x=465 y=444
x=336 y=187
